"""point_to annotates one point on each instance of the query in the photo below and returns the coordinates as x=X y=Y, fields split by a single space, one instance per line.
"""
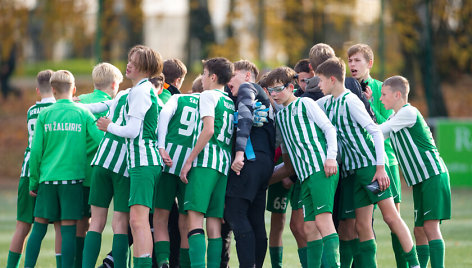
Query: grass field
x=457 y=233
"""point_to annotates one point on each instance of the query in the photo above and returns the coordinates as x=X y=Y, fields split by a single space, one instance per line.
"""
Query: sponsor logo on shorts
x=349 y=211
x=424 y=214
x=320 y=207
x=379 y=195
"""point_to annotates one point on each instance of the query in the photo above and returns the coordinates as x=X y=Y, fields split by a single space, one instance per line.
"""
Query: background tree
x=200 y=32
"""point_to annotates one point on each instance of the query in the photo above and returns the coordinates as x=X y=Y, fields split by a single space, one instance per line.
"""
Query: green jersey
x=217 y=152
x=303 y=126
x=95 y=96
x=111 y=153
x=177 y=126
x=58 y=151
x=381 y=114
x=31 y=117
x=165 y=95
x=356 y=145
x=142 y=103
x=414 y=145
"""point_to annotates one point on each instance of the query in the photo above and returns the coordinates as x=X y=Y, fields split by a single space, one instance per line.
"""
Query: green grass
x=457 y=234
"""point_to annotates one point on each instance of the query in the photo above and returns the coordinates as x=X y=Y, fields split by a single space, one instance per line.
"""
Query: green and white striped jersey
x=217 y=152
x=177 y=126
x=142 y=103
x=414 y=145
x=31 y=117
x=381 y=114
x=305 y=130
x=112 y=152
x=356 y=145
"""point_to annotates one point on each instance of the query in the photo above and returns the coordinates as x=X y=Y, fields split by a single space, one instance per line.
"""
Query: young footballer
x=310 y=140
x=422 y=168
x=361 y=145
x=205 y=192
x=106 y=80
x=57 y=167
x=25 y=202
x=251 y=168
x=360 y=61
x=139 y=126
x=174 y=71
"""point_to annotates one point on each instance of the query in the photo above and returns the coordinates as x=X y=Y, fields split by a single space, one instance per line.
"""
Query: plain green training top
x=59 y=151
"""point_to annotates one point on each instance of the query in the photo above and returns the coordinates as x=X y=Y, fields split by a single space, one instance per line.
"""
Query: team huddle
x=231 y=149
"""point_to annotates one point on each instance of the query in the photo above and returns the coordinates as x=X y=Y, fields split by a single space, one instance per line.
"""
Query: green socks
x=79 y=250
x=197 y=249
x=346 y=252
x=331 y=250
x=276 y=254
x=120 y=250
x=314 y=252
x=423 y=255
x=411 y=257
x=93 y=241
x=215 y=247
x=13 y=259
x=34 y=243
x=303 y=257
x=367 y=250
x=436 y=252
x=142 y=262
x=58 y=260
x=398 y=250
x=68 y=245
x=184 y=258
x=162 y=252
x=356 y=254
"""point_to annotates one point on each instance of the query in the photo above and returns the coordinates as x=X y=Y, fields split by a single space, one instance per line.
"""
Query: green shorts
x=169 y=187
x=86 y=210
x=295 y=196
x=362 y=196
x=143 y=181
x=205 y=192
x=25 y=202
x=318 y=194
x=106 y=185
x=432 y=199
x=59 y=201
x=277 y=196
x=396 y=185
x=346 y=197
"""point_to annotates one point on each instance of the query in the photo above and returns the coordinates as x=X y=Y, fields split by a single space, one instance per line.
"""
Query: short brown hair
x=245 y=65
x=148 y=60
x=104 y=74
x=284 y=75
x=364 y=49
x=43 y=79
x=302 y=66
x=263 y=80
x=197 y=85
x=158 y=81
x=221 y=67
x=333 y=67
x=319 y=53
x=62 y=81
x=173 y=69
x=398 y=83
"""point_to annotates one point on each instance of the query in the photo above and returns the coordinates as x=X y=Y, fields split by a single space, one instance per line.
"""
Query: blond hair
x=398 y=83
x=319 y=53
x=62 y=81
x=366 y=51
x=43 y=80
x=104 y=74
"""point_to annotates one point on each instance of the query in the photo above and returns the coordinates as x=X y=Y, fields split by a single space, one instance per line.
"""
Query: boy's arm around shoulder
x=404 y=118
